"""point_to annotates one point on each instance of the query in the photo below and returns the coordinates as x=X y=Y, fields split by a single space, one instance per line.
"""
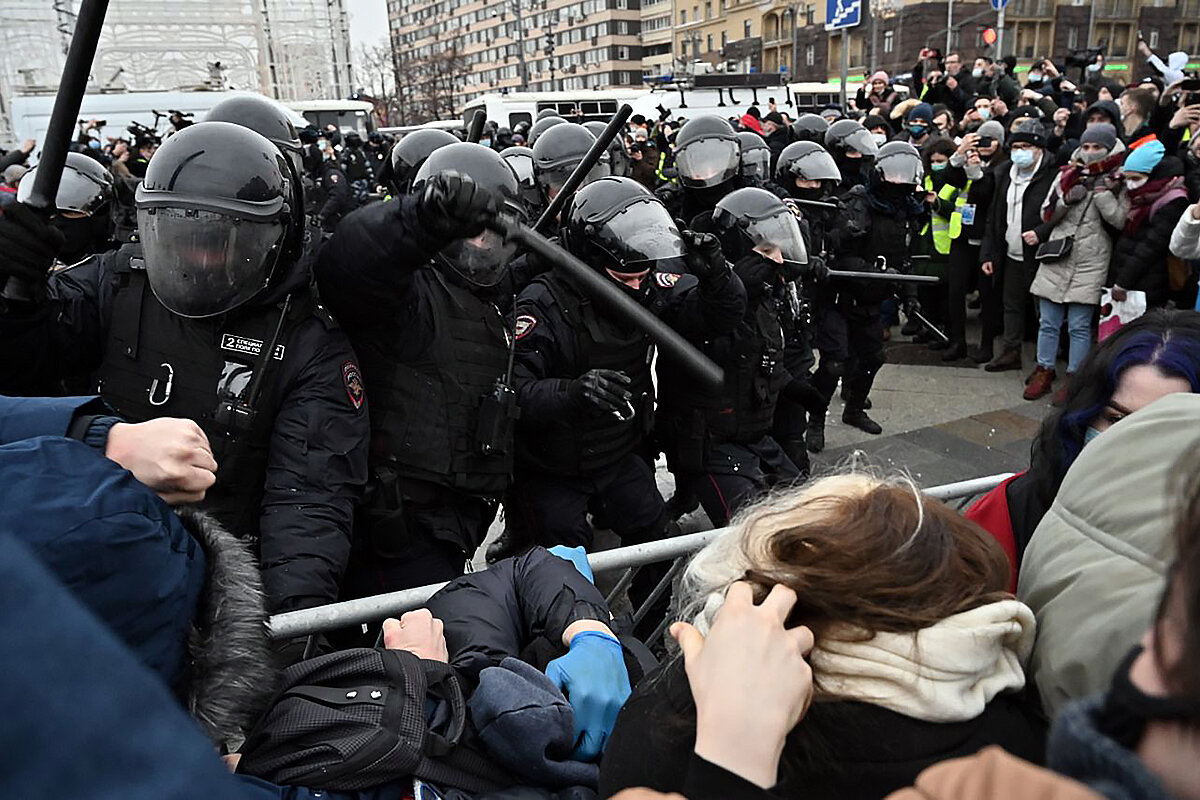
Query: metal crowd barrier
x=627 y=559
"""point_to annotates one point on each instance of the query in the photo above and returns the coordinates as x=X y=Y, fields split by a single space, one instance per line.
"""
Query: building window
x=1072 y=38
x=622 y=53
x=683 y=16
x=889 y=41
x=710 y=42
x=708 y=10
x=810 y=55
x=724 y=38
x=747 y=30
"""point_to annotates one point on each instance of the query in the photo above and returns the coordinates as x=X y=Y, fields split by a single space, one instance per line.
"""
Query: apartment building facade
x=511 y=45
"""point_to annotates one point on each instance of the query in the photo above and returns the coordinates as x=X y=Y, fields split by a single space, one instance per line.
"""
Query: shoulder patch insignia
x=354 y=384
x=666 y=280
x=525 y=323
x=333 y=177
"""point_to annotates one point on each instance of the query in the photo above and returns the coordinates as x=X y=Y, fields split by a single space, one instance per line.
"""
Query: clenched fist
x=171 y=456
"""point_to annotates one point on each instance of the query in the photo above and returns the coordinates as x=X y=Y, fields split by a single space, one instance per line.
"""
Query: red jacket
x=991 y=513
x=751 y=124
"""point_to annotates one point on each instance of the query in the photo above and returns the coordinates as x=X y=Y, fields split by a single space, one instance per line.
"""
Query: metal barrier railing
x=629 y=559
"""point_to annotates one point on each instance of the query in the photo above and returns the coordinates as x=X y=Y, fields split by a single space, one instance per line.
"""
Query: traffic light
x=989 y=36
x=548 y=49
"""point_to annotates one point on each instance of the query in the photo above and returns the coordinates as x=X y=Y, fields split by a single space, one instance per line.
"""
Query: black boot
x=956 y=351
x=982 y=354
x=814 y=437
x=857 y=418
x=867 y=404
x=939 y=344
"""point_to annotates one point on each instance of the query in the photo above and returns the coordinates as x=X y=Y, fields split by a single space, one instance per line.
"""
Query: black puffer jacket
x=1139 y=260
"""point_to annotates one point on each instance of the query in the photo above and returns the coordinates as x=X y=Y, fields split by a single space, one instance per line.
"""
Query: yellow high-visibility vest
x=939 y=225
x=956 y=222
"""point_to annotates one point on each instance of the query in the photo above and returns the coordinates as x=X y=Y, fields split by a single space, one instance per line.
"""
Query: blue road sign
x=843 y=14
x=999 y=4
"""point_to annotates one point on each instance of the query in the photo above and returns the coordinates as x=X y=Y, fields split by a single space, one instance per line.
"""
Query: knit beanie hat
x=920 y=111
x=875 y=121
x=1146 y=157
x=879 y=76
x=993 y=129
x=1102 y=134
x=1029 y=131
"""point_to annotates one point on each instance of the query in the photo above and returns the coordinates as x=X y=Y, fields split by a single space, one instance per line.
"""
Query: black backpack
x=356 y=719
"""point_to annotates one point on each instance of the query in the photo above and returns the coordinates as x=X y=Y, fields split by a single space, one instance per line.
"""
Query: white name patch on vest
x=246 y=346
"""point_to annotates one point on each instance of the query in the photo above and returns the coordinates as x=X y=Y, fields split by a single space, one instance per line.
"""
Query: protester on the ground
x=930 y=668
x=1084 y=204
x=1157 y=199
x=1154 y=355
x=1014 y=229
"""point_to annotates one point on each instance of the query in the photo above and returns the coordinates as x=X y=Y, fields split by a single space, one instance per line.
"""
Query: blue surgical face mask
x=1093 y=67
x=917 y=130
x=1090 y=434
x=1035 y=77
x=938 y=166
x=1022 y=158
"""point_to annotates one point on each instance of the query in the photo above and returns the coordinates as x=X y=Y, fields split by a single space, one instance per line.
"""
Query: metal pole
x=795 y=69
x=843 y=274
x=63 y=119
x=605 y=291
x=873 y=10
x=949 y=26
x=475 y=133
x=1000 y=33
x=521 y=46
x=845 y=64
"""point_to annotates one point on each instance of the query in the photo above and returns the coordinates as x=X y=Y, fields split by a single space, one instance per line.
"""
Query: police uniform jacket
x=290 y=478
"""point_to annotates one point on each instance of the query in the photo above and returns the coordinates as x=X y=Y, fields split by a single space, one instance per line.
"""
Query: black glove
x=452 y=206
x=29 y=242
x=704 y=257
x=603 y=389
x=911 y=306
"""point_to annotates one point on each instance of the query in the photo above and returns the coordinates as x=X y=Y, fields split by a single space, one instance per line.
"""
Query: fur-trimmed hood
x=229 y=672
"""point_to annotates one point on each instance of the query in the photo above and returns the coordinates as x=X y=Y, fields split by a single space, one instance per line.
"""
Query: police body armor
x=425 y=413
x=744 y=409
x=602 y=440
x=159 y=364
x=886 y=236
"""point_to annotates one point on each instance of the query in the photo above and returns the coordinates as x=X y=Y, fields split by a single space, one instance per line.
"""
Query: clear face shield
x=778 y=238
x=756 y=164
x=203 y=263
x=708 y=162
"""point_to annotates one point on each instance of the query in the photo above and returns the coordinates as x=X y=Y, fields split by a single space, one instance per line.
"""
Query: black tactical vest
x=600 y=440
x=886 y=236
x=425 y=413
x=159 y=364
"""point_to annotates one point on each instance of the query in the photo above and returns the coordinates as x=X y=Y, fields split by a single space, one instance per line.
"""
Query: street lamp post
x=516 y=6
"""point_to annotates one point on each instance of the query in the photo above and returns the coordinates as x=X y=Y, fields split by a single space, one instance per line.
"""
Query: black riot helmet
x=707 y=152
x=810 y=128
x=214 y=217
x=618 y=159
x=270 y=119
x=411 y=151
x=755 y=220
x=755 y=156
x=83 y=204
x=558 y=152
x=846 y=137
x=615 y=225
x=806 y=161
x=899 y=163
x=542 y=125
x=547 y=113
x=352 y=139
x=85 y=188
x=521 y=161
x=483 y=260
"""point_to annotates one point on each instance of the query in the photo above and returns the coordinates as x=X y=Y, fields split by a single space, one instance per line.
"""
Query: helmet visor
x=778 y=231
x=901 y=168
x=553 y=179
x=522 y=165
x=756 y=164
x=201 y=263
x=78 y=192
x=646 y=238
x=861 y=141
x=817 y=166
x=481 y=261
x=707 y=162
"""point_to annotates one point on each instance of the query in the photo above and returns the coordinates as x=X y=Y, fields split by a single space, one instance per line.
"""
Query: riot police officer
x=718 y=442
x=618 y=158
x=880 y=223
x=853 y=149
x=521 y=161
x=357 y=166
x=377 y=152
x=330 y=198
x=583 y=375
x=208 y=318
x=557 y=153
x=410 y=153
x=417 y=281
x=809 y=128
x=84 y=208
x=807 y=176
x=541 y=125
x=755 y=157
x=708 y=162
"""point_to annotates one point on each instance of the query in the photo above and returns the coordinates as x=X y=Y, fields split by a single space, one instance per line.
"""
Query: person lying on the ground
x=916 y=641
x=1155 y=355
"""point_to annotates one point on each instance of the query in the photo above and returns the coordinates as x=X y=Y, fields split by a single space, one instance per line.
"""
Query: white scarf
x=944 y=673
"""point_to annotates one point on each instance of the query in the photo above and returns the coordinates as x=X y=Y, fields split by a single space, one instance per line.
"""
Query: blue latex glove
x=578 y=557
x=593 y=677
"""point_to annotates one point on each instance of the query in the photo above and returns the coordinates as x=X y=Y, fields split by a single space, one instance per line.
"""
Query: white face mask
x=1022 y=158
x=1135 y=183
x=985 y=113
x=880 y=138
x=977 y=72
x=1093 y=67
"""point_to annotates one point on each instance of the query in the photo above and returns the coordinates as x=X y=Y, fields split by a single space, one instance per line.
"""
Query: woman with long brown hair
x=918 y=648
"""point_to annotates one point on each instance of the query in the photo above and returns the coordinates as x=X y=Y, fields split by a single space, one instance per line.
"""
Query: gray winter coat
x=1080 y=276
